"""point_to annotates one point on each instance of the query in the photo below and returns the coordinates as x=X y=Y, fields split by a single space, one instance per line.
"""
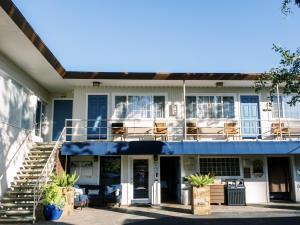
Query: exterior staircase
x=16 y=205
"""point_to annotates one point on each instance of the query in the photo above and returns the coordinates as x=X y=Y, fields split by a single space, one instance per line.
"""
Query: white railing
x=22 y=152
x=174 y=130
x=46 y=172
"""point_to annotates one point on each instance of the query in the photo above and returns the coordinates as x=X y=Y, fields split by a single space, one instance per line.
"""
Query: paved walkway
x=273 y=214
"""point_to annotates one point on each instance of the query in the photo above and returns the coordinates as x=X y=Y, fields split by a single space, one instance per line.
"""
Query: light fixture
x=219 y=84
x=96 y=84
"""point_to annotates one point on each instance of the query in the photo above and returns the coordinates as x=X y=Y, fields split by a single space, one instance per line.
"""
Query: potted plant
x=53 y=201
x=66 y=182
x=200 y=193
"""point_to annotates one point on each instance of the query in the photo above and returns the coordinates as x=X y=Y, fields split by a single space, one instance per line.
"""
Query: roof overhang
x=20 y=43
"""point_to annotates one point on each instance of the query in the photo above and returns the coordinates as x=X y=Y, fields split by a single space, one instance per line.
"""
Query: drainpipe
x=184 y=112
x=279 y=110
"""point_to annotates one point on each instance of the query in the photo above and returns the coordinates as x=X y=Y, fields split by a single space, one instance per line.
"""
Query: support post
x=279 y=111
x=184 y=111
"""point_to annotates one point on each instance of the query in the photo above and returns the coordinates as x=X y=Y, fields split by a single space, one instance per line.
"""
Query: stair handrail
x=44 y=176
x=27 y=137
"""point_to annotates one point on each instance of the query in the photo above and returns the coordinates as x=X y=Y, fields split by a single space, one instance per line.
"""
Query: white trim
x=150 y=174
x=107 y=111
x=235 y=99
x=226 y=157
x=165 y=94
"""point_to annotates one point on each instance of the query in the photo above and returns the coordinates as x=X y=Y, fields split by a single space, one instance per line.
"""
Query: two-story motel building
x=146 y=131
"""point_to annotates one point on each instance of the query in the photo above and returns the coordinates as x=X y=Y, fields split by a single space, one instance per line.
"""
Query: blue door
x=62 y=111
x=97 y=117
x=250 y=118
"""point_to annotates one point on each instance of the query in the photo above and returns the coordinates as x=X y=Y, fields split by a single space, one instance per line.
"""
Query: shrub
x=200 y=180
x=65 y=180
x=52 y=195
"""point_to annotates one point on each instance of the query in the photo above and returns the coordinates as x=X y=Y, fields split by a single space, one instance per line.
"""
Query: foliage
x=286 y=75
x=65 y=180
x=200 y=180
x=52 y=195
x=285 y=6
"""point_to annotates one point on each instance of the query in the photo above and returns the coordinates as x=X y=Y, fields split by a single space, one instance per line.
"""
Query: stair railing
x=18 y=152
x=46 y=172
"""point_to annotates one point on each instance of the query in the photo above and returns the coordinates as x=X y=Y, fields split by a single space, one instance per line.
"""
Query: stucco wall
x=18 y=98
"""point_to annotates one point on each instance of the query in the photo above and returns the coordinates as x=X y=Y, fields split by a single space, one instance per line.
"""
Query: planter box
x=69 y=195
x=201 y=201
x=217 y=195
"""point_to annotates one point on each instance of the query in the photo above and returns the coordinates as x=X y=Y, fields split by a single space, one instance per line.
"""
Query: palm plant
x=200 y=180
x=65 y=180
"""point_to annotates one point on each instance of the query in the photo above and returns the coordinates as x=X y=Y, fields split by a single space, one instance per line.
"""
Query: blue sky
x=163 y=35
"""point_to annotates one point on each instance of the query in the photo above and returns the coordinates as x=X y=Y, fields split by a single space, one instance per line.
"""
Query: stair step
x=12 y=205
x=30 y=171
x=18 y=186
x=16 y=220
x=28 y=176
x=34 y=166
x=7 y=199
x=15 y=212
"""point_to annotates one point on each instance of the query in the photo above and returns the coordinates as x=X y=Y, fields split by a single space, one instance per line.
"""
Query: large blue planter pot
x=51 y=212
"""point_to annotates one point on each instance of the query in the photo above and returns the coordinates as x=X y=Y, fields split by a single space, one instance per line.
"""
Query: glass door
x=140 y=178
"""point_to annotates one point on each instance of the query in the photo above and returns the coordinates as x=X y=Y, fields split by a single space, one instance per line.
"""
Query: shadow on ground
x=221 y=221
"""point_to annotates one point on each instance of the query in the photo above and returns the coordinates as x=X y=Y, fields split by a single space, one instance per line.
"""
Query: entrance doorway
x=279 y=178
x=170 y=179
x=141 y=179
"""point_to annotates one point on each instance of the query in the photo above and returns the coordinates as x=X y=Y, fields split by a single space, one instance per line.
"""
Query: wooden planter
x=69 y=195
x=201 y=200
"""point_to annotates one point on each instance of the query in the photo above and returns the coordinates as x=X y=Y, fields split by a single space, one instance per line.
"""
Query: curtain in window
x=140 y=106
x=286 y=110
x=159 y=106
x=204 y=107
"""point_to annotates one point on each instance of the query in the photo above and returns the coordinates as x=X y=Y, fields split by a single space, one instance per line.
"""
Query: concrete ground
x=273 y=214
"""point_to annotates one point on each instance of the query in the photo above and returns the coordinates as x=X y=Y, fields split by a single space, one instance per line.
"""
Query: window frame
x=113 y=116
x=283 y=104
x=223 y=157
x=235 y=105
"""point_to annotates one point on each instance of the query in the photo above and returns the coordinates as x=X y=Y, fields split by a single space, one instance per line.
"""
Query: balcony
x=78 y=130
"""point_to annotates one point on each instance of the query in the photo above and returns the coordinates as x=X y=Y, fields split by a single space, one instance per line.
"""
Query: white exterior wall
x=173 y=97
x=18 y=97
x=296 y=177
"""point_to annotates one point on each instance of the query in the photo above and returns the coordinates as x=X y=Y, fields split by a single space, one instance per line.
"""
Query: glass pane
x=145 y=106
x=110 y=170
x=228 y=107
x=290 y=111
x=159 y=106
x=191 y=107
x=120 y=106
x=275 y=111
x=134 y=107
x=140 y=178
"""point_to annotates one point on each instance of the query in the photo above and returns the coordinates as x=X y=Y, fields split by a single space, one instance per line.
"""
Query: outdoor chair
x=160 y=130
x=231 y=129
x=118 y=129
x=192 y=130
x=278 y=129
x=80 y=198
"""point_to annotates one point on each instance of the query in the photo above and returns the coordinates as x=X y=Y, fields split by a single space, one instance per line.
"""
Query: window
x=139 y=106
x=205 y=107
x=286 y=110
x=220 y=166
x=110 y=170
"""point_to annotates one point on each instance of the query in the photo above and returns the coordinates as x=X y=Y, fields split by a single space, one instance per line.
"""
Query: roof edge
x=15 y=14
x=160 y=76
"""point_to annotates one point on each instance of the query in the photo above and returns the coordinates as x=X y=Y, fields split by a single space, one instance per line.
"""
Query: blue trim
x=182 y=148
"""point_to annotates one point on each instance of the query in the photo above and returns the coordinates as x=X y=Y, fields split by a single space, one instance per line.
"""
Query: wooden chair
x=160 y=130
x=118 y=129
x=192 y=130
x=278 y=129
x=231 y=129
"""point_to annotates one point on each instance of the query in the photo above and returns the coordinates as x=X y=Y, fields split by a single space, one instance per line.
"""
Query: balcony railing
x=176 y=130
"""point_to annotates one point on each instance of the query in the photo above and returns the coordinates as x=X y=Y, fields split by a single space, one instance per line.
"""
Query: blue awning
x=182 y=148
